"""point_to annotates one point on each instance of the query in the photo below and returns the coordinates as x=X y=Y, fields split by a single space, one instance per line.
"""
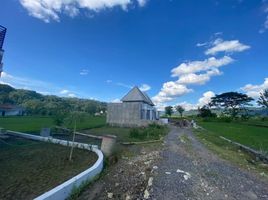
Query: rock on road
x=188 y=170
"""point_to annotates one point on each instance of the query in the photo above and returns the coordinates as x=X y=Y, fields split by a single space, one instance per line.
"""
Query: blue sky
x=180 y=52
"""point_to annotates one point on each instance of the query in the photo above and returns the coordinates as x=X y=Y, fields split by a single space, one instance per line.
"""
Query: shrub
x=153 y=131
x=137 y=133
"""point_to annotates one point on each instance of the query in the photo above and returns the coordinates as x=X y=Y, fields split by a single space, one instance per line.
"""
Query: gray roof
x=136 y=95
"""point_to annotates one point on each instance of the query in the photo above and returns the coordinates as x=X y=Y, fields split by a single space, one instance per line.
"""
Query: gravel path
x=188 y=170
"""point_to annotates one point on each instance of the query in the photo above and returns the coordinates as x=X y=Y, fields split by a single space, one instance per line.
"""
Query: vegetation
x=263 y=99
x=232 y=102
x=30 y=168
x=33 y=124
x=244 y=133
x=38 y=104
x=180 y=109
x=230 y=152
x=152 y=132
x=205 y=112
x=169 y=110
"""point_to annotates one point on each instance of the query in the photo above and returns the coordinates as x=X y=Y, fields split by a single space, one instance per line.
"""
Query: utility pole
x=3 y=31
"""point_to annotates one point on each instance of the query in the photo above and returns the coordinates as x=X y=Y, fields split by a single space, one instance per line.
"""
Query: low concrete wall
x=63 y=190
x=248 y=150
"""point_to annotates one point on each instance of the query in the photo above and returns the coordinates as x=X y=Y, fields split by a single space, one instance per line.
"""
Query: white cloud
x=145 y=87
x=36 y=85
x=109 y=81
x=189 y=74
x=72 y=95
x=116 y=101
x=64 y=91
x=231 y=46
x=201 y=44
x=198 y=72
x=84 y=72
x=255 y=90
x=24 y=83
x=142 y=2
x=169 y=91
x=48 y=10
x=265 y=24
x=206 y=98
x=198 y=79
x=199 y=66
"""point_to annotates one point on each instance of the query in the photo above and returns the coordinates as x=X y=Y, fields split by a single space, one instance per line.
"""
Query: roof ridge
x=135 y=94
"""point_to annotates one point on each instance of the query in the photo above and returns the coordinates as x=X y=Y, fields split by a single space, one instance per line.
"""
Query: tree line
x=37 y=104
x=231 y=103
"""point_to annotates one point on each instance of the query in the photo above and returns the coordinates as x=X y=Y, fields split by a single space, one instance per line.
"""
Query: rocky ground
x=180 y=168
x=128 y=178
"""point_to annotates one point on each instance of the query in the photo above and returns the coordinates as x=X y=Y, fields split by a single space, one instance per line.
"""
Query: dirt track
x=180 y=168
x=189 y=171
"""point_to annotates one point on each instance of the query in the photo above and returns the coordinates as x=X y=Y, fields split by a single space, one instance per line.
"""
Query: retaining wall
x=63 y=190
x=248 y=150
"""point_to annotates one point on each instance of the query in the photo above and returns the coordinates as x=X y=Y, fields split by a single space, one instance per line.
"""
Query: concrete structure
x=136 y=109
x=108 y=144
x=11 y=110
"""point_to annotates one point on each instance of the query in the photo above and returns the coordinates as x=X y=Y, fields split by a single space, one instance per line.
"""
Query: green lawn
x=33 y=124
x=252 y=136
x=30 y=168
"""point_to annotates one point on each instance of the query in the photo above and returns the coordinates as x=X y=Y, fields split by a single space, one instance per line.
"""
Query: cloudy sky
x=179 y=52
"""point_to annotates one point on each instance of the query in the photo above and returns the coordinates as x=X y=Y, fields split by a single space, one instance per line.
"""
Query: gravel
x=196 y=173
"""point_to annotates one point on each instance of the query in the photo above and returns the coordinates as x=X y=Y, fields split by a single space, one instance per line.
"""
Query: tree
x=180 y=109
x=169 y=110
x=263 y=99
x=232 y=102
x=205 y=112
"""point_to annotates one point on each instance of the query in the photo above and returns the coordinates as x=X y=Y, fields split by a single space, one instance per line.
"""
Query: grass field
x=245 y=133
x=30 y=168
x=33 y=124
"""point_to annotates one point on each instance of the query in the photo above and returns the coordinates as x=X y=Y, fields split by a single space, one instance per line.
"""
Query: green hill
x=37 y=104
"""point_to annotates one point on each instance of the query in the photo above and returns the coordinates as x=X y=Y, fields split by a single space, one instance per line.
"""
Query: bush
x=153 y=131
x=136 y=133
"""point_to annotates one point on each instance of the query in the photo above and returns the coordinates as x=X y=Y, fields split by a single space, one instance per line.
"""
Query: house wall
x=11 y=112
x=130 y=114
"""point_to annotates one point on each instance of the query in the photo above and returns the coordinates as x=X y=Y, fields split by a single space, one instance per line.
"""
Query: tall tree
x=169 y=110
x=263 y=99
x=180 y=109
x=232 y=102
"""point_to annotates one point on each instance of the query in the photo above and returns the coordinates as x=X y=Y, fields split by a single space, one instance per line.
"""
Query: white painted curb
x=63 y=190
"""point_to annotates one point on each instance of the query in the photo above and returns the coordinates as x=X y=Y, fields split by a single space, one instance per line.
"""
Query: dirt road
x=189 y=171
x=179 y=169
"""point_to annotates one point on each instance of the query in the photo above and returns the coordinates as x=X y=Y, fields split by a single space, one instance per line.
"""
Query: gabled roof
x=136 y=95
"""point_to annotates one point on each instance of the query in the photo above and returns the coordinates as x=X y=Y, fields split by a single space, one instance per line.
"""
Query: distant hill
x=251 y=111
x=38 y=104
